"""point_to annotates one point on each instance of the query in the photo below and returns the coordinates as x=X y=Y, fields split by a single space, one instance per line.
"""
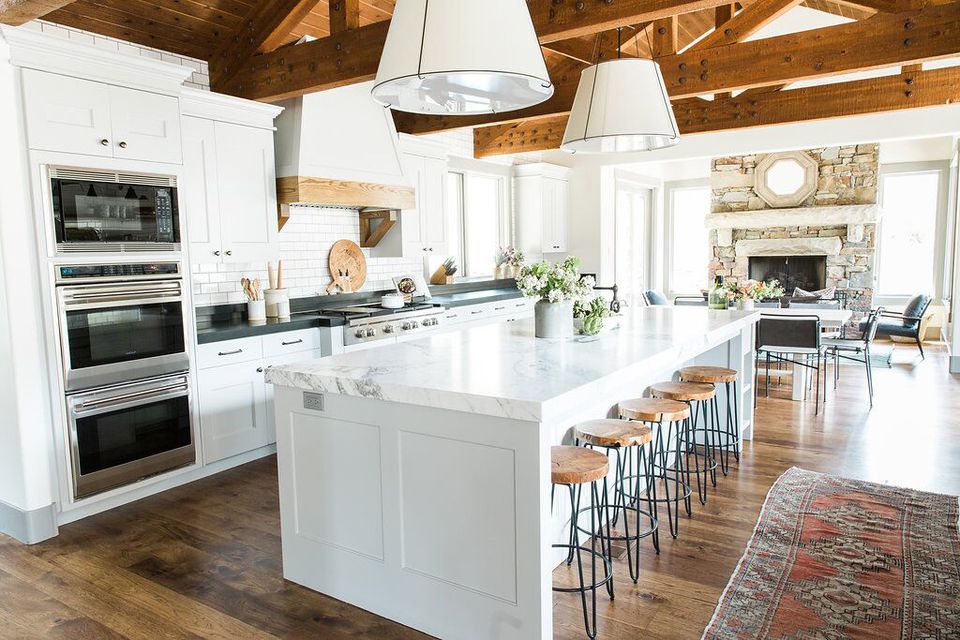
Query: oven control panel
x=125 y=271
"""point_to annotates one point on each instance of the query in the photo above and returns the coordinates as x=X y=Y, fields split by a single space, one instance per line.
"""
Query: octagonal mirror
x=786 y=179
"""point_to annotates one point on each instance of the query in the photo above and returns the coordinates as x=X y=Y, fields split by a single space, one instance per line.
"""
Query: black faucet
x=615 y=303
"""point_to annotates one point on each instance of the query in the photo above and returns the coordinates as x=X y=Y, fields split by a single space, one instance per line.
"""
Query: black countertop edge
x=229 y=321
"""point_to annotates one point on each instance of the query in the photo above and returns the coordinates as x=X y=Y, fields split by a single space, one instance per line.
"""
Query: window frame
x=670 y=189
x=942 y=240
x=465 y=168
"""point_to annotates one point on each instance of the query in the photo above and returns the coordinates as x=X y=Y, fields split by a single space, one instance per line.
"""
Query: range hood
x=338 y=148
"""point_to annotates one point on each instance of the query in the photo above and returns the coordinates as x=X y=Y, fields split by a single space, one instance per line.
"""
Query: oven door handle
x=116 y=402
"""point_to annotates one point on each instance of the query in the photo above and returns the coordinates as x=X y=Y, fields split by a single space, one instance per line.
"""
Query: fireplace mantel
x=789 y=247
x=852 y=214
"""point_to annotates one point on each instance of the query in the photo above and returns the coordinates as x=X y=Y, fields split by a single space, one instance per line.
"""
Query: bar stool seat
x=576 y=465
x=713 y=375
x=613 y=433
x=653 y=410
x=683 y=391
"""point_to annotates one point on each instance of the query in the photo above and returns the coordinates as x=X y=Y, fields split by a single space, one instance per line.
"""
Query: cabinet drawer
x=279 y=344
x=216 y=354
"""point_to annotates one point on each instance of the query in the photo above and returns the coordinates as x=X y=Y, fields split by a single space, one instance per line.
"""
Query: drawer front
x=217 y=354
x=279 y=344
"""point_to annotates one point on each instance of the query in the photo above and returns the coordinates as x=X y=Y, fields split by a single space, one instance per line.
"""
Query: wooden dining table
x=829 y=318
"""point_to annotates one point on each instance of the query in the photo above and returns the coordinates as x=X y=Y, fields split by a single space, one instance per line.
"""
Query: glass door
x=631 y=224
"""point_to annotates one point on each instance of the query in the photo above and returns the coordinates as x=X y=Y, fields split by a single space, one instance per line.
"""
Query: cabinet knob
x=229 y=253
x=431 y=249
x=105 y=142
x=122 y=145
x=216 y=253
x=259 y=369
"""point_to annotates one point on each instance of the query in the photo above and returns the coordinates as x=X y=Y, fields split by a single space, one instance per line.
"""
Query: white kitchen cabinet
x=236 y=404
x=425 y=229
x=229 y=191
x=73 y=115
x=542 y=208
x=233 y=410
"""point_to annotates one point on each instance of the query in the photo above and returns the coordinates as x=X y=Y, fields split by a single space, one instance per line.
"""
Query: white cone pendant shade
x=621 y=105
x=461 y=57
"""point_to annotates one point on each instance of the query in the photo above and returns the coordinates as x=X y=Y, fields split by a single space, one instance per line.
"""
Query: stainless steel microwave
x=107 y=212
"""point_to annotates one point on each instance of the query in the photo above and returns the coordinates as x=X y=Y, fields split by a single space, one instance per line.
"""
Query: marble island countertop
x=503 y=370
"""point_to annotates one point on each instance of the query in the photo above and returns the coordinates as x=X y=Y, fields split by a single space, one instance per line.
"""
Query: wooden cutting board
x=348 y=267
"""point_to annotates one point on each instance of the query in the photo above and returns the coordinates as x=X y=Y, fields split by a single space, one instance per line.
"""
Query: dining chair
x=792 y=339
x=655 y=298
x=852 y=349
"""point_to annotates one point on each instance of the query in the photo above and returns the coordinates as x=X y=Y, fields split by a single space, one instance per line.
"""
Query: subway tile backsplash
x=305 y=243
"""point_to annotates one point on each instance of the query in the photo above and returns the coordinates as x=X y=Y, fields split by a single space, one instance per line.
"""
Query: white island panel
x=452 y=435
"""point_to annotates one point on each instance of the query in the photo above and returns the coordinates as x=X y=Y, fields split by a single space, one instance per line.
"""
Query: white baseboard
x=28 y=527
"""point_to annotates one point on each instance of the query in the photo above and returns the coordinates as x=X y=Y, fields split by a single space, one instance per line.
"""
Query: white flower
x=555 y=295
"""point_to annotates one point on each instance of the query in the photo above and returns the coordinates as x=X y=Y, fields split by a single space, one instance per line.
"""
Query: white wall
x=26 y=445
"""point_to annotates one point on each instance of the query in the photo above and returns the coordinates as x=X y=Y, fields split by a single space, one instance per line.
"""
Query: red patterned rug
x=833 y=558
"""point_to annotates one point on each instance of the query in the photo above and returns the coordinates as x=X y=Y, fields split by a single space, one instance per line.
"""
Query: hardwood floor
x=203 y=561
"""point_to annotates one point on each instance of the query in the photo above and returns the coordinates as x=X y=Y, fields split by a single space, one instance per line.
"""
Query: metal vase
x=553 y=319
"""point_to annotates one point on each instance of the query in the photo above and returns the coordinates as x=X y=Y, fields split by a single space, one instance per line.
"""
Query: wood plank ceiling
x=247 y=45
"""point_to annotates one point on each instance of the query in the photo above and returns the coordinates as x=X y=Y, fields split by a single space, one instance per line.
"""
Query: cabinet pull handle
x=229 y=353
x=216 y=253
x=259 y=369
x=287 y=344
x=452 y=316
x=122 y=145
x=520 y=304
x=229 y=253
x=476 y=312
x=105 y=142
x=499 y=308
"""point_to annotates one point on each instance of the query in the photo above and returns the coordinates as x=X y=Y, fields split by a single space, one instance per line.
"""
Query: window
x=688 y=252
x=476 y=211
x=630 y=241
x=909 y=243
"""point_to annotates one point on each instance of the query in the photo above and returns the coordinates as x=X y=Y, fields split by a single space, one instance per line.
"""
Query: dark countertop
x=229 y=322
x=238 y=327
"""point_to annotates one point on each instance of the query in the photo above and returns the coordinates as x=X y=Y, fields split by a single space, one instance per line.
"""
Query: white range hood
x=339 y=148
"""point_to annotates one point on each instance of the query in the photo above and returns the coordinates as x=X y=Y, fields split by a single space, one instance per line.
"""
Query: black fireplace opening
x=807 y=272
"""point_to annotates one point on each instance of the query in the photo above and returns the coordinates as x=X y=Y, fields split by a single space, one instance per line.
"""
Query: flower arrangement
x=755 y=290
x=509 y=256
x=559 y=282
x=591 y=315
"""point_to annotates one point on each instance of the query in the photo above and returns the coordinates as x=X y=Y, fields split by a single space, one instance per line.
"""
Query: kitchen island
x=415 y=478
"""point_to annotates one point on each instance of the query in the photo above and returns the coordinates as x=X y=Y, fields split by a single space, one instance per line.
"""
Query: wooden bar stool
x=627 y=443
x=675 y=415
x=697 y=396
x=728 y=378
x=574 y=467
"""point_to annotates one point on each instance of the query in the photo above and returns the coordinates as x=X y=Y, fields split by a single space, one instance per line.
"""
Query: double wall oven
x=123 y=327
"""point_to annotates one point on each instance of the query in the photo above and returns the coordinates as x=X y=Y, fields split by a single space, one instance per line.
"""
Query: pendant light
x=621 y=105
x=461 y=57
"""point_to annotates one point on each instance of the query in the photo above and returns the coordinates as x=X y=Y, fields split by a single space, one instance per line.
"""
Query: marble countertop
x=466 y=298
x=502 y=370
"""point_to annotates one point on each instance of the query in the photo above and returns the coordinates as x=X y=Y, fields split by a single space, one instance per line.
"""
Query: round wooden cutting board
x=348 y=266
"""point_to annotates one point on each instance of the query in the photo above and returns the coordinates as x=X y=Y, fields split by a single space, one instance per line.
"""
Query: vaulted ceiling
x=248 y=44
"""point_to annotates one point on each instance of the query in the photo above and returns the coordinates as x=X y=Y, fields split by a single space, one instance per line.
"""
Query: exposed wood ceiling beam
x=263 y=30
x=745 y=23
x=886 y=6
x=353 y=56
x=882 y=41
x=344 y=14
x=890 y=93
x=665 y=37
x=17 y=12
x=603 y=46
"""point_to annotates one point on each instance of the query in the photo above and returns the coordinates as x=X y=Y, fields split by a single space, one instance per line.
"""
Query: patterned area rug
x=833 y=558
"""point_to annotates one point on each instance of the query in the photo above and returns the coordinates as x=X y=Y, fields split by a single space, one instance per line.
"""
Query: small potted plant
x=748 y=292
x=557 y=287
x=589 y=316
x=508 y=261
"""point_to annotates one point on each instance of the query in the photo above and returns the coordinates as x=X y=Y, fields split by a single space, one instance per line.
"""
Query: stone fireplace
x=829 y=238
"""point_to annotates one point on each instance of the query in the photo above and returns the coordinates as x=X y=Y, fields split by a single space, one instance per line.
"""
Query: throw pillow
x=822 y=294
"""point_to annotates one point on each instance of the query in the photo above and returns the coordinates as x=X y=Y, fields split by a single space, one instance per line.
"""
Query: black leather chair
x=790 y=339
x=906 y=324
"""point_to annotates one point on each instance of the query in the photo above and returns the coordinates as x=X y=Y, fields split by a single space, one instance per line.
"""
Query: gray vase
x=553 y=319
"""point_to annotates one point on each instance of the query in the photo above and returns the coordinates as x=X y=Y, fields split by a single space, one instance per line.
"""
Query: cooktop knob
x=406 y=326
x=414 y=324
x=361 y=333
x=388 y=328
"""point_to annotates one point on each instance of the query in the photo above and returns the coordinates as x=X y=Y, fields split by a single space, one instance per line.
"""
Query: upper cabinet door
x=67 y=114
x=199 y=189
x=248 y=192
x=414 y=244
x=146 y=126
x=561 y=207
x=433 y=215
